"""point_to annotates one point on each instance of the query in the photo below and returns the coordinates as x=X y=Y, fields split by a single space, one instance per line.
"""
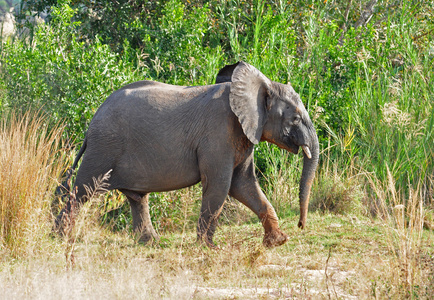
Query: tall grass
x=393 y=117
x=403 y=215
x=31 y=160
x=279 y=173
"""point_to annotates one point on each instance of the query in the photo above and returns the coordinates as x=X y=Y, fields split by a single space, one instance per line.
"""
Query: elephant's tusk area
x=307 y=151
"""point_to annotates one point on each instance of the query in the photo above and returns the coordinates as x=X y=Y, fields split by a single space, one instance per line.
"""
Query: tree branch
x=363 y=20
x=366 y=14
x=344 y=26
x=422 y=35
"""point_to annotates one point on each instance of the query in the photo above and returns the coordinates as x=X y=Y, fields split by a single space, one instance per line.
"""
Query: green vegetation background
x=368 y=83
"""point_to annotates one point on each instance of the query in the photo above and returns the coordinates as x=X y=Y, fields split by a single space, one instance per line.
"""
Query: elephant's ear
x=225 y=74
x=247 y=98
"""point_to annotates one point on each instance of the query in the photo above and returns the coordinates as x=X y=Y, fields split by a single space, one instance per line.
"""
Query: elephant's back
x=153 y=101
x=152 y=98
x=153 y=113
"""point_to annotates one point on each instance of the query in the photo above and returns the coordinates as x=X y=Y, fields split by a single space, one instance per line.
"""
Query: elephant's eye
x=296 y=119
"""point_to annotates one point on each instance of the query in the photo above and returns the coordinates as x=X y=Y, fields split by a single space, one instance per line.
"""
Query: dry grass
x=94 y=277
x=29 y=164
x=411 y=265
x=338 y=194
x=336 y=257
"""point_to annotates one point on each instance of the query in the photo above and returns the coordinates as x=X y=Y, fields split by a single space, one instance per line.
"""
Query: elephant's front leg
x=142 y=225
x=246 y=189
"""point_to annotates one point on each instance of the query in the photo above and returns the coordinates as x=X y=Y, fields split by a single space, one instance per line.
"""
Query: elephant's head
x=274 y=112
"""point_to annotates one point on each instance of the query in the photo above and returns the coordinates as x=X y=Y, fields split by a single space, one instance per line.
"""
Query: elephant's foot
x=207 y=241
x=275 y=238
x=208 y=244
x=147 y=236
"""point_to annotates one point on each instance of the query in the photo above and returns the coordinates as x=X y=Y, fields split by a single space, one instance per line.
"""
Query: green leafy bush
x=61 y=75
x=176 y=47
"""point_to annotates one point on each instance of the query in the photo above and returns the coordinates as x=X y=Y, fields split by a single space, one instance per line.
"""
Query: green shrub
x=177 y=50
x=339 y=195
x=61 y=75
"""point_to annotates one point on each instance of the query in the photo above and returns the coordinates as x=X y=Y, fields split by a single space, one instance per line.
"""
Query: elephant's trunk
x=307 y=176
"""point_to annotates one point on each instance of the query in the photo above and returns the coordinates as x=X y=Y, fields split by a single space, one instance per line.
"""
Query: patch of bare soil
x=315 y=284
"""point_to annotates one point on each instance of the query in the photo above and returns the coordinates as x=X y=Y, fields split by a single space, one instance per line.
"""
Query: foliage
x=176 y=48
x=61 y=75
x=5 y=5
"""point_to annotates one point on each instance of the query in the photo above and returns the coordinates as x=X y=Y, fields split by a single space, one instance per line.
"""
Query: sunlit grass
x=30 y=163
x=404 y=218
x=336 y=256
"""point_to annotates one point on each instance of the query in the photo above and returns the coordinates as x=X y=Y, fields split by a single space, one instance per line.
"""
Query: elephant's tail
x=64 y=188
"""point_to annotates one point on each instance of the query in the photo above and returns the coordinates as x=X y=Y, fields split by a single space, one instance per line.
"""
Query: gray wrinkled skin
x=157 y=137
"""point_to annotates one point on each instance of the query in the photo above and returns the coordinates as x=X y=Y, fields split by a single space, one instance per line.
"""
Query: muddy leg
x=246 y=189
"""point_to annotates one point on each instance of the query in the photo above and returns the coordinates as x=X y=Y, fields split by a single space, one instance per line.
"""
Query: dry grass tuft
x=338 y=196
x=30 y=162
x=403 y=218
x=90 y=208
x=393 y=116
x=338 y=193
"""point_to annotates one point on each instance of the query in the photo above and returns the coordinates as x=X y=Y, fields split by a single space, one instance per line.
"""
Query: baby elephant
x=157 y=137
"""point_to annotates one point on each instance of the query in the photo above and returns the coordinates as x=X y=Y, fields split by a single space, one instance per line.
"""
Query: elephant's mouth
x=293 y=148
x=289 y=145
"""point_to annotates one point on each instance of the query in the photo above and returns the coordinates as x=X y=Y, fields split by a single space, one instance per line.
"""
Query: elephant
x=157 y=137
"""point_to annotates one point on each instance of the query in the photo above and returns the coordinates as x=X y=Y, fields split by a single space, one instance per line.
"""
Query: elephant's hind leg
x=142 y=225
x=215 y=188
